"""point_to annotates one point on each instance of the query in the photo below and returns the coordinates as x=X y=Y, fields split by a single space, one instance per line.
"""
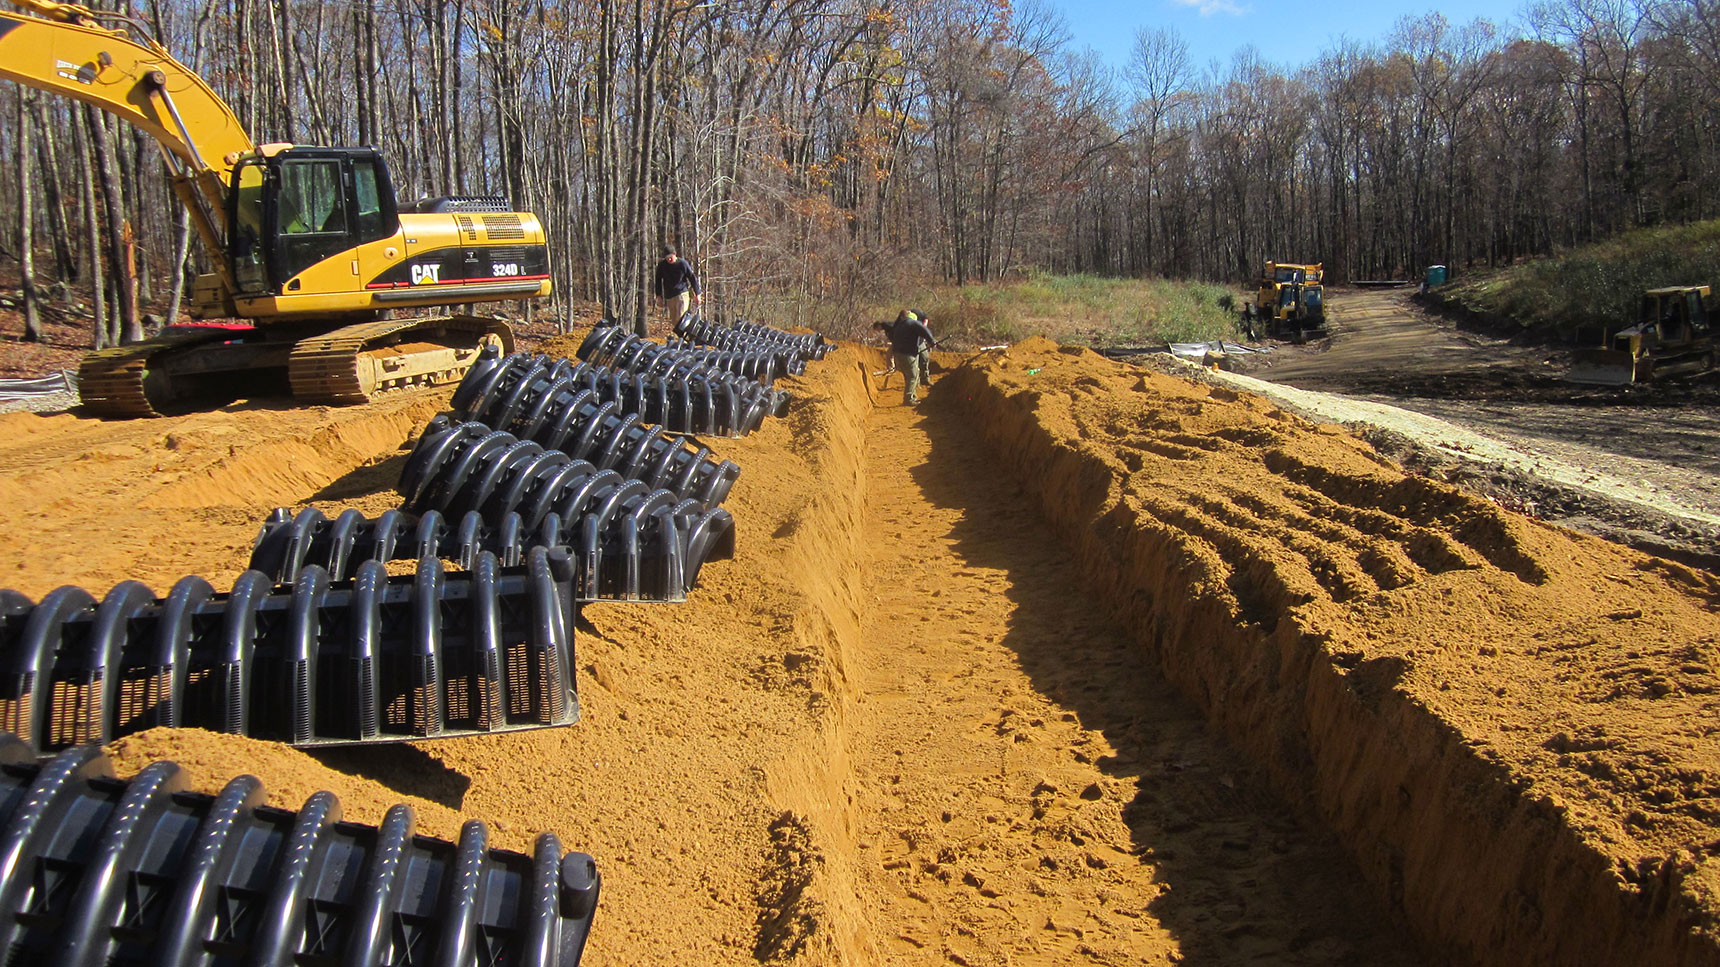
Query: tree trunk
x=48 y=157
x=92 y=232
x=457 y=103
x=119 y=236
x=26 y=220
x=177 y=280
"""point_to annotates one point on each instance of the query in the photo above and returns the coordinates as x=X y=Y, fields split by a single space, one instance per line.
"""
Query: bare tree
x=1159 y=71
x=811 y=153
x=26 y=222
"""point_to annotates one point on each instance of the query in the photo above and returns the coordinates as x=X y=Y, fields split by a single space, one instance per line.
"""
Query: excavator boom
x=66 y=50
x=138 y=81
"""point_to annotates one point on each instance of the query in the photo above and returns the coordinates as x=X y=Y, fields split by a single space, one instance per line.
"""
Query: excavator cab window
x=310 y=201
x=310 y=214
x=368 y=188
x=245 y=242
x=301 y=206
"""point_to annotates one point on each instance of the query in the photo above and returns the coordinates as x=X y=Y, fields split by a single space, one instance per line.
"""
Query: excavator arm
x=70 y=50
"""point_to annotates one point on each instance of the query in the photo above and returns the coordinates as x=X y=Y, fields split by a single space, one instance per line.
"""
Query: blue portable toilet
x=1435 y=275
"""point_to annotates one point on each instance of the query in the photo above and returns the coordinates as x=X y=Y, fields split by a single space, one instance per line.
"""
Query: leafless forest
x=808 y=153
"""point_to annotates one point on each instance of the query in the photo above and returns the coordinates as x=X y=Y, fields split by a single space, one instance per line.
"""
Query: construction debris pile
x=550 y=485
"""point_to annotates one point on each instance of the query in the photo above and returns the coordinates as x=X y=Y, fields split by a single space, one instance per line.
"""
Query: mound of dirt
x=290 y=777
x=93 y=502
x=909 y=723
x=699 y=775
x=1510 y=726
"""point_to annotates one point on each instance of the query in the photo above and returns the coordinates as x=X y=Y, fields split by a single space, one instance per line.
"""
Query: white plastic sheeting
x=23 y=389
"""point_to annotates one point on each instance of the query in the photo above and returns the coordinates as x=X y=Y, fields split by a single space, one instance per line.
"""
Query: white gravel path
x=1462 y=443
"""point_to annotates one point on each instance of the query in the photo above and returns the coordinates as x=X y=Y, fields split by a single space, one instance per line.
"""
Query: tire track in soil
x=1028 y=789
x=1619 y=462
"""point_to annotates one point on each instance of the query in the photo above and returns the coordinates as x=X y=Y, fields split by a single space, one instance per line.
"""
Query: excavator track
x=111 y=382
x=351 y=364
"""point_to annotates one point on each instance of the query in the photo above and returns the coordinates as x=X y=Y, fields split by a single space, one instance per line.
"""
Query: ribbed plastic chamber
x=102 y=871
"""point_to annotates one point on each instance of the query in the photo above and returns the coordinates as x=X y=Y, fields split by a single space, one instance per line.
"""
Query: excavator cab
x=294 y=208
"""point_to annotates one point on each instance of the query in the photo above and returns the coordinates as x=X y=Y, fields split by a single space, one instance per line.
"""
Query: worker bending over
x=912 y=343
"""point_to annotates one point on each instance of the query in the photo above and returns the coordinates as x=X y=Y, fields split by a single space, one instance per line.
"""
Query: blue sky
x=1285 y=33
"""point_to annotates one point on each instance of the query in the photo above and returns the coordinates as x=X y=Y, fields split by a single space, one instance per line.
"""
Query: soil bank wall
x=1512 y=728
x=809 y=902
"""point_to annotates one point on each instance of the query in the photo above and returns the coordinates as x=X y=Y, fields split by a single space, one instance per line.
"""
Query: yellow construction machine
x=308 y=243
x=1292 y=300
x=1671 y=337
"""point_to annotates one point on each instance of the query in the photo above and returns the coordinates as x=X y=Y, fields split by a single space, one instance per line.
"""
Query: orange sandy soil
x=1071 y=664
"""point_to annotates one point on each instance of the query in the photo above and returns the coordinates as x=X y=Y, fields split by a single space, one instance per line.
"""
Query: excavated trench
x=1509 y=726
x=1070 y=664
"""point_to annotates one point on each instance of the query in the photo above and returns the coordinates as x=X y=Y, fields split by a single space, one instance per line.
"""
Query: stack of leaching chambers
x=551 y=484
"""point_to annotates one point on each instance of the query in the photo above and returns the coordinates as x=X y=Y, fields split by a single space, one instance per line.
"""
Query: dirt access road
x=1639 y=464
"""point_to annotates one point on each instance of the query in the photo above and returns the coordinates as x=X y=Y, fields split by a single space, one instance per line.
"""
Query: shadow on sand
x=1251 y=881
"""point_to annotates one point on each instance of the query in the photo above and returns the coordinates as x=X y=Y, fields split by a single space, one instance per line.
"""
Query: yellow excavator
x=308 y=243
x=1671 y=337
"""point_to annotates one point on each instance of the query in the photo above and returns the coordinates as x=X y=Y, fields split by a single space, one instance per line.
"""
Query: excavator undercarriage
x=191 y=367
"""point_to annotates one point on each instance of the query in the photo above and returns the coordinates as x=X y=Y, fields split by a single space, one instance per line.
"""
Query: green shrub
x=1075 y=309
x=1598 y=285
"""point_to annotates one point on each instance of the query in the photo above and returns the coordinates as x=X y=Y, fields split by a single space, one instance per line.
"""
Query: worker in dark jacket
x=677 y=283
x=911 y=340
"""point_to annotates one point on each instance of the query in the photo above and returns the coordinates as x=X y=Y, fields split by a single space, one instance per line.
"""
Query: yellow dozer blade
x=1604 y=367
